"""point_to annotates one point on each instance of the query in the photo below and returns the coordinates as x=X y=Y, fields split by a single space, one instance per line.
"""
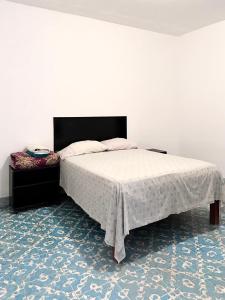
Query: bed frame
x=68 y=130
x=215 y=213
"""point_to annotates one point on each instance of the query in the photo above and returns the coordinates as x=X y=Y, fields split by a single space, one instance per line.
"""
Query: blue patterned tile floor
x=58 y=252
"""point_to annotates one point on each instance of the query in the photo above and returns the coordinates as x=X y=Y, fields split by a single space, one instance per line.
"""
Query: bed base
x=214 y=219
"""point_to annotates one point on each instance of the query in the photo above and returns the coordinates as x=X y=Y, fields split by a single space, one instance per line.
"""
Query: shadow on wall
x=224 y=187
x=4 y=182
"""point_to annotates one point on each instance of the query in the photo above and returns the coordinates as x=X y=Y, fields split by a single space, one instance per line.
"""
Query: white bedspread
x=127 y=189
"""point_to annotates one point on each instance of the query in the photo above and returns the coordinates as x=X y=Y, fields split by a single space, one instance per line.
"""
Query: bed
x=126 y=189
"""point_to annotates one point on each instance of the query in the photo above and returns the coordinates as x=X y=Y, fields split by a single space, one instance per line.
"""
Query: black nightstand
x=34 y=187
x=157 y=150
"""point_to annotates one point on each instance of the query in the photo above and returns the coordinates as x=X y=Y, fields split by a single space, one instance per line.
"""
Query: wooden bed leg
x=215 y=213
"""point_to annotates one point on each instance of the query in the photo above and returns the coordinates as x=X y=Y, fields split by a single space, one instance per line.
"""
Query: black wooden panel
x=33 y=195
x=31 y=188
x=68 y=130
x=34 y=176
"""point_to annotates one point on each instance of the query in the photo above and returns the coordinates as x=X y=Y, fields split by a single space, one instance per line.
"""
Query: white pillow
x=119 y=144
x=82 y=147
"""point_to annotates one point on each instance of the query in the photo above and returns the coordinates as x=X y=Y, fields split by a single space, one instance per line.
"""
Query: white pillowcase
x=119 y=144
x=82 y=147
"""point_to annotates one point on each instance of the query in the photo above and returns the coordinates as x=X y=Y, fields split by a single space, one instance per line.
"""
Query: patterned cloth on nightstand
x=22 y=160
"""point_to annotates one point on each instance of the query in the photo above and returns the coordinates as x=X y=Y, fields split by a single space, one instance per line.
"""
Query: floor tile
x=58 y=252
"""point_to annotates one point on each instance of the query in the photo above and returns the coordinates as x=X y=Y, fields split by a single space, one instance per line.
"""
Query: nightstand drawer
x=34 y=194
x=34 y=176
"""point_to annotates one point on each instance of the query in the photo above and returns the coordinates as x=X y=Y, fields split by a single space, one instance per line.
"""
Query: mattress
x=126 y=189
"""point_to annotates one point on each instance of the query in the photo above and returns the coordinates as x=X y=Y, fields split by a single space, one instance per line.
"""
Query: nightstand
x=157 y=150
x=34 y=187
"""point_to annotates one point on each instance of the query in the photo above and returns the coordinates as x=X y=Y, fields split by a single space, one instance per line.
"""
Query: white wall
x=55 y=64
x=202 y=94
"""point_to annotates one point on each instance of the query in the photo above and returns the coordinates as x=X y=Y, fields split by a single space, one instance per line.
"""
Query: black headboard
x=68 y=130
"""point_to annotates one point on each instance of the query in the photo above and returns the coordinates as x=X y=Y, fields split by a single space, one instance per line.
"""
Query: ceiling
x=174 y=17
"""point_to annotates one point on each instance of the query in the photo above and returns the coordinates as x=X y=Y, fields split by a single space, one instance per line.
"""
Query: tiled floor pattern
x=58 y=252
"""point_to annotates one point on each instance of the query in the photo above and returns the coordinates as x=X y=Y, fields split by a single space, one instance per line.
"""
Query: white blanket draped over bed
x=126 y=189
